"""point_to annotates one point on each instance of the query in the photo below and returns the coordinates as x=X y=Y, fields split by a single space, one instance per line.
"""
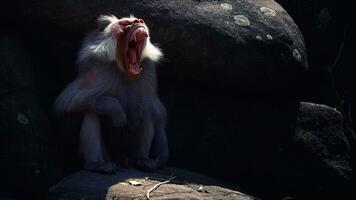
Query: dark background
x=206 y=109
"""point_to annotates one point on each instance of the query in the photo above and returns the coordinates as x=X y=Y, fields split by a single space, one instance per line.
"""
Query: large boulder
x=132 y=184
x=253 y=45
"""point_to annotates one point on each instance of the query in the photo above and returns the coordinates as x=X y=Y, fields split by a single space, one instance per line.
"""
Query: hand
x=110 y=106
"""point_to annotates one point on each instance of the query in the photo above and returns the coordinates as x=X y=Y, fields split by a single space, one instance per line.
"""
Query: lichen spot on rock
x=268 y=36
x=268 y=11
x=258 y=38
x=22 y=119
x=242 y=20
x=296 y=55
x=226 y=6
x=212 y=8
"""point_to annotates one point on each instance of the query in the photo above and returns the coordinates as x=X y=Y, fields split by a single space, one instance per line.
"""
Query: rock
x=253 y=45
x=320 y=129
x=26 y=149
x=321 y=153
x=185 y=185
x=320 y=132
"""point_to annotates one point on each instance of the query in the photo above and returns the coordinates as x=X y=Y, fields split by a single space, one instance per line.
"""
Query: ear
x=152 y=52
x=104 y=20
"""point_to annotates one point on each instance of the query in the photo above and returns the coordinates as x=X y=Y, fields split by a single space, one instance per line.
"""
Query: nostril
x=124 y=22
x=136 y=21
x=141 y=21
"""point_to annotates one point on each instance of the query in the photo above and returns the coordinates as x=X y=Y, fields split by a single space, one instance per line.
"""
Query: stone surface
x=320 y=132
x=185 y=185
x=321 y=153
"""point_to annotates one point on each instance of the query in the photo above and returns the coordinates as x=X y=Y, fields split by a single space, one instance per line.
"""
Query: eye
x=124 y=22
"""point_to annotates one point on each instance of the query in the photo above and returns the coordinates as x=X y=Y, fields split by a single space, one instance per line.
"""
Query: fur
x=99 y=75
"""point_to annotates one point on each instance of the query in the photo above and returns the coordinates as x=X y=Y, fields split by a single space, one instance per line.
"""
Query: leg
x=160 y=149
x=146 y=134
x=160 y=145
x=91 y=145
x=157 y=141
x=154 y=141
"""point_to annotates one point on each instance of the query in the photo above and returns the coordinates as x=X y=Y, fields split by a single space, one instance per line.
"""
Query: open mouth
x=131 y=50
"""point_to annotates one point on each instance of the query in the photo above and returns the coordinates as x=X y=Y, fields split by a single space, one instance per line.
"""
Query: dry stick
x=156 y=186
x=331 y=68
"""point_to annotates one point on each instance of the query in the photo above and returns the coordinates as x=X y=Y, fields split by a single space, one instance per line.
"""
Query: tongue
x=134 y=67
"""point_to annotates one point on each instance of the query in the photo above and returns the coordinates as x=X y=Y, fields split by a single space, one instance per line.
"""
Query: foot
x=102 y=167
x=148 y=165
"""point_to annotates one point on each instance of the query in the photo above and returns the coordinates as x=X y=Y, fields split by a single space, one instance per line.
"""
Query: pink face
x=131 y=35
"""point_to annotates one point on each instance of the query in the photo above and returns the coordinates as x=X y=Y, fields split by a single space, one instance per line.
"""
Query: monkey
x=117 y=79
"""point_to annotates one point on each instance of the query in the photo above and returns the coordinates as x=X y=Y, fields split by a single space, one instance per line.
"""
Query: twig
x=156 y=186
x=331 y=67
x=349 y=113
x=160 y=179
